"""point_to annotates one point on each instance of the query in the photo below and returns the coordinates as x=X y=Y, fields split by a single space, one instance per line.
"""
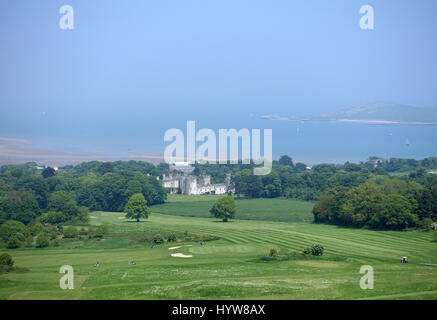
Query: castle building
x=189 y=184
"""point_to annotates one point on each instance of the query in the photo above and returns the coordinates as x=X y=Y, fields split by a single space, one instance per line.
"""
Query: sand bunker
x=92 y=217
x=172 y=248
x=181 y=255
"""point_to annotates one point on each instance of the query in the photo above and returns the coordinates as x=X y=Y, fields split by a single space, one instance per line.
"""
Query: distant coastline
x=374 y=122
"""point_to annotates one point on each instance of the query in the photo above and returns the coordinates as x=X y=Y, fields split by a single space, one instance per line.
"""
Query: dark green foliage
x=6 y=260
x=70 y=232
x=286 y=161
x=42 y=240
x=273 y=253
x=158 y=239
x=48 y=172
x=11 y=228
x=317 y=250
x=101 y=231
x=53 y=217
x=171 y=237
x=19 y=205
x=61 y=201
x=13 y=242
x=136 y=208
x=29 y=241
x=225 y=208
x=57 y=242
x=307 y=252
x=380 y=203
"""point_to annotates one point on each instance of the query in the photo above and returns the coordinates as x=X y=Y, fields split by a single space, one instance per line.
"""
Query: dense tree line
x=67 y=194
x=298 y=181
x=381 y=203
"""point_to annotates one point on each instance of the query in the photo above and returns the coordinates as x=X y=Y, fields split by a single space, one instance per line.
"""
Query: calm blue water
x=310 y=142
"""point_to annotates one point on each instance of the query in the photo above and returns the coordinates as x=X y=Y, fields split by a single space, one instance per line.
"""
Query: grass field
x=248 y=209
x=229 y=268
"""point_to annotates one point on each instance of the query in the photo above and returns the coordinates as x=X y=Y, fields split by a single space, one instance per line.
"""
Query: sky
x=129 y=70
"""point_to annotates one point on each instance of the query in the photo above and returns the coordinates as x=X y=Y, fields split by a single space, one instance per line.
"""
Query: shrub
x=10 y=228
x=52 y=231
x=70 y=232
x=20 y=236
x=317 y=250
x=171 y=237
x=158 y=239
x=101 y=231
x=36 y=228
x=307 y=251
x=53 y=217
x=6 y=260
x=273 y=253
x=13 y=242
x=29 y=241
x=57 y=242
x=42 y=240
x=425 y=224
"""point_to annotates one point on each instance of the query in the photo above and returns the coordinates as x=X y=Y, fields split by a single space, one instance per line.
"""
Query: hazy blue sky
x=132 y=69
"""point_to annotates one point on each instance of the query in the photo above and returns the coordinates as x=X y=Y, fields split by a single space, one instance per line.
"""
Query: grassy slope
x=248 y=209
x=230 y=267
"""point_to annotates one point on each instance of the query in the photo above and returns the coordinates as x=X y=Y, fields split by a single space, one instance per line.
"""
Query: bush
x=101 y=231
x=273 y=253
x=6 y=260
x=70 y=232
x=317 y=250
x=53 y=217
x=425 y=224
x=307 y=252
x=52 y=231
x=171 y=237
x=42 y=240
x=13 y=242
x=36 y=228
x=11 y=228
x=57 y=242
x=29 y=241
x=158 y=239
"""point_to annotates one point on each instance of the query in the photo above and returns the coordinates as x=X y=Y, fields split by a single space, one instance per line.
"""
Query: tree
x=42 y=240
x=61 y=201
x=6 y=260
x=300 y=167
x=11 y=228
x=106 y=167
x=273 y=253
x=285 y=161
x=53 y=217
x=317 y=250
x=70 y=232
x=20 y=205
x=13 y=242
x=29 y=241
x=136 y=207
x=48 y=172
x=225 y=208
x=83 y=214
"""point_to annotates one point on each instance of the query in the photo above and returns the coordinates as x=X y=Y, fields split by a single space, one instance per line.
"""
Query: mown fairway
x=230 y=267
x=248 y=209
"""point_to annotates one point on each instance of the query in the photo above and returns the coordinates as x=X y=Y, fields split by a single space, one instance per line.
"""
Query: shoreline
x=372 y=122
